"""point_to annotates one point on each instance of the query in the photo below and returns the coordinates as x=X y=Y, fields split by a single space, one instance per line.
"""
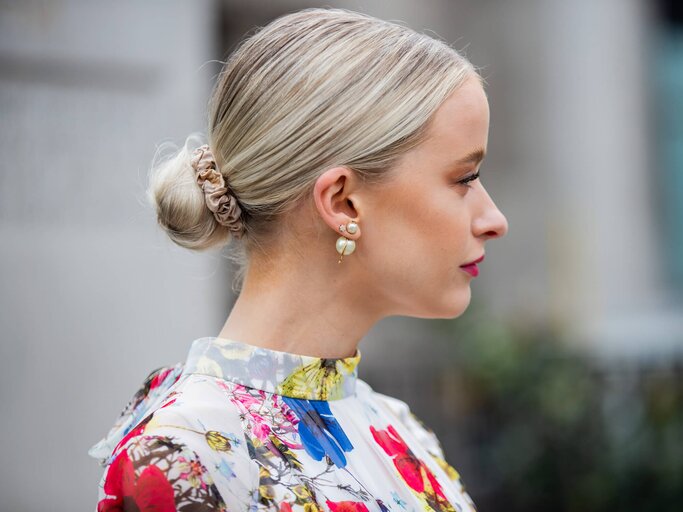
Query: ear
x=336 y=200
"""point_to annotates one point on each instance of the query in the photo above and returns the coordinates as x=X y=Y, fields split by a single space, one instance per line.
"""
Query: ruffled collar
x=273 y=371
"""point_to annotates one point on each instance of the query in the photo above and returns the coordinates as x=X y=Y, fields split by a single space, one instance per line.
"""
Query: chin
x=452 y=306
x=459 y=304
x=454 y=312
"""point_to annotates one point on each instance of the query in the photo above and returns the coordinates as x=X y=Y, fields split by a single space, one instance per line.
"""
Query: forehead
x=460 y=125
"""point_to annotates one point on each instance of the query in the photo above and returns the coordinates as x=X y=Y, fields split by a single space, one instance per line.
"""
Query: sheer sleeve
x=158 y=473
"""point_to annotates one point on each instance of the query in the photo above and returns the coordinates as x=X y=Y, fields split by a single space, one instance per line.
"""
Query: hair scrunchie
x=223 y=204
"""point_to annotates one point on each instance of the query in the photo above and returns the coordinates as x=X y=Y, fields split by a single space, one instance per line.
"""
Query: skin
x=414 y=233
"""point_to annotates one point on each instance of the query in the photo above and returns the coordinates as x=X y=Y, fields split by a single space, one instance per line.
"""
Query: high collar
x=282 y=373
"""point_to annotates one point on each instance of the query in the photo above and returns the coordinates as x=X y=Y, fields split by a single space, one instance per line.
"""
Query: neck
x=320 y=314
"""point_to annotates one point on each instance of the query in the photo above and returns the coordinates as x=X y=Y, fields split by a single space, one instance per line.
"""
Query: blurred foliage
x=548 y=428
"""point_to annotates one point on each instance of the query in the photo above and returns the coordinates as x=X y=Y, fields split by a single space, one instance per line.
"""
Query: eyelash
x=468 y=179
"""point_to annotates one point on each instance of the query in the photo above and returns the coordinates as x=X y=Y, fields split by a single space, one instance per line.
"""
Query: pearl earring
x=344 y=245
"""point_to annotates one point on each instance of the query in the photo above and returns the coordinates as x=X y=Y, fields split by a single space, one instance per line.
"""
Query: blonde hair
x=314 y=89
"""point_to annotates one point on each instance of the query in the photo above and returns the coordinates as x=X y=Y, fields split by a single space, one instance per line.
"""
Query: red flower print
x=137 y=430
x=390 y=440
x=149 y=492
x=413 y=470
x=159 y=378
x=170 y=400
x=404 y=460
x=346 y=506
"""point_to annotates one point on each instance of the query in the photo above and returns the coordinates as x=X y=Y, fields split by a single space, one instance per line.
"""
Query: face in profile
x=431 y=218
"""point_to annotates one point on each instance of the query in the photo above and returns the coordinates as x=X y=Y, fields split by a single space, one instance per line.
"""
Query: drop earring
x=344 y=245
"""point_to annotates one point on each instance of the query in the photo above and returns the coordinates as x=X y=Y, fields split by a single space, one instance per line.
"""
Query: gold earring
x=344 y=245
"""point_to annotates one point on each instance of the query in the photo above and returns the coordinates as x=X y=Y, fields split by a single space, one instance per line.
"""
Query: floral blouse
x=239 y=427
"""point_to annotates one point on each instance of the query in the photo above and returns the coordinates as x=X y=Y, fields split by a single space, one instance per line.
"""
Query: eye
x=472 y=177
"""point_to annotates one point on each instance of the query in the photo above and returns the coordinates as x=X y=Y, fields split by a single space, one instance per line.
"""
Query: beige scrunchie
x=223 y=204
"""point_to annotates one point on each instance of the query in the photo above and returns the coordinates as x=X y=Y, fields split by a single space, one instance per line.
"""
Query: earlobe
x=344 y=245
x=331 y=196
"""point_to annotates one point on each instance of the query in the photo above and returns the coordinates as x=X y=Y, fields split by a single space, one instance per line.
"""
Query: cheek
x=438 y=225
x=413 y=251
x=421 y=234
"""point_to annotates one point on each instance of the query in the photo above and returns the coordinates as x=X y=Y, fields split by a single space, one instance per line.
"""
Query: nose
x=491 y=223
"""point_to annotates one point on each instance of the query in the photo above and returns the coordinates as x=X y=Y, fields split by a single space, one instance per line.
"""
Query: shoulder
x=180 y=433
x=401 y=412
x=173 y=398
x=154 y=387
x=160 y=473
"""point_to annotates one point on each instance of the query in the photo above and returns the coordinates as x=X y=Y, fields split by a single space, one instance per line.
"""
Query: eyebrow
x=474 y=157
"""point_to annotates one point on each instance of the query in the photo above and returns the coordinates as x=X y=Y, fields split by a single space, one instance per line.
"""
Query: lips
x=478 y=260
x=471 y=268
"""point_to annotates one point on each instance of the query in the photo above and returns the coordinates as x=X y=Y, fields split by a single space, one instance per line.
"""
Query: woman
x=343 y=161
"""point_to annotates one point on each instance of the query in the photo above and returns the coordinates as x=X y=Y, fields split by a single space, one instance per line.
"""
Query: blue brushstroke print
x=319 y=430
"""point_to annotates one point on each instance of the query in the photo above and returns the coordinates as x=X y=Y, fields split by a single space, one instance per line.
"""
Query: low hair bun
x=219 y=199
x=179 y=195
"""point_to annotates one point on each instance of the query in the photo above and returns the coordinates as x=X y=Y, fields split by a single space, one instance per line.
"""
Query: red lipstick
x=471 y=267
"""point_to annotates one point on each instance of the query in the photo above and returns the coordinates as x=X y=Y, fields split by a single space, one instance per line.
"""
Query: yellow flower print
x=301 y=492
x=209 y=367
x=217 y=441
x=304 y=497
x=266 y=492
x=320 y=379
x=288 y=454
x=448 y=469
x=232 y=350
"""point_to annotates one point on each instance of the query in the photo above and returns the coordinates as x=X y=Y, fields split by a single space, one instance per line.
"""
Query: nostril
x=496 y=233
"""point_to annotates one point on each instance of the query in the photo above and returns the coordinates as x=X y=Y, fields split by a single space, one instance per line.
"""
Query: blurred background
x=559 y=389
